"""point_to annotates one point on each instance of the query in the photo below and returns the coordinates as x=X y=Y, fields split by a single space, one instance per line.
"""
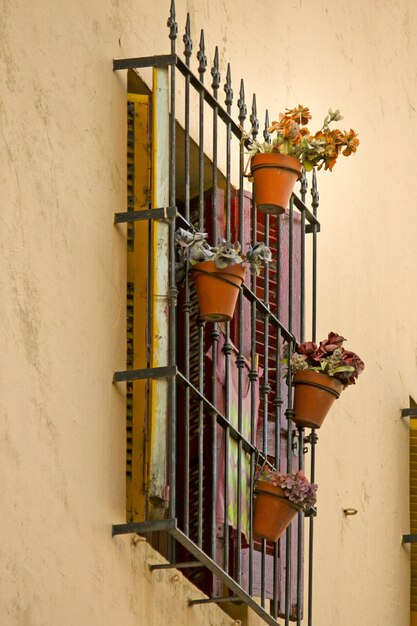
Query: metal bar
x=278 y=404
x=409 y=539
x=162 y=60
x=223 y=576
x=229 y=431
x=265 y=390
x=409 y=412
x=300 y=527
x=173 y=291
x=310 y=217
x=248 y=293
x=302 y=259
x=151 y=372
x=201 y=56
x=228 y=101
x=314 y=204
x=221 y=419
x=289 y=412
x=182 y=565
x=141 y=528
x=300 y=534
x=312 y=228
x=149 y=214
x=215 y=86
x=313 y=436
x=240 y=363
x=227 y=349
x=187 y=297
x=158 y=214
x=218 y=600
x=215 y=334
x=254 y=391
x=313 y=440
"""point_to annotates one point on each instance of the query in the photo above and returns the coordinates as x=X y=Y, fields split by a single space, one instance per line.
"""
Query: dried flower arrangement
x=293 y=138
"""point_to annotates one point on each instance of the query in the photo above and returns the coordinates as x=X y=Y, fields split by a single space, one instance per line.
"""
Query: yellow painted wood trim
x=137 y=274
x=138 y=97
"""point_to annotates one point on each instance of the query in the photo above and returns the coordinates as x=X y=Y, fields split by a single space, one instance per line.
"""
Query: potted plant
x=320 y=373
x=279 y=497
x=218 y=271
x=275 y=165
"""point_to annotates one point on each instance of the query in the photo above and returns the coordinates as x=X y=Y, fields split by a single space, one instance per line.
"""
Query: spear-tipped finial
x=303 y=185
x=228 y=88
x=241 y=103
x=215 y=72
x=254 y=118
x=266 y=133
x=188 y=44
x=171 y=23
x=314 y=193
x=201 y=56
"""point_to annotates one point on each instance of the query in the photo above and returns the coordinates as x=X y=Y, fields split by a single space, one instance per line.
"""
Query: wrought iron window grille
x=202 y=438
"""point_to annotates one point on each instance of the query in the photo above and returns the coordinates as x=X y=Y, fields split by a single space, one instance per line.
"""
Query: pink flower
x=353 y=360
x=307 y=348
x=333 y=341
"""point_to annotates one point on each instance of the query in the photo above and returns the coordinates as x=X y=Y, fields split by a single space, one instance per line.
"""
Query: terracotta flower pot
x=273 y=511
x=314 y=395
x=217 y=289
x=274 y=177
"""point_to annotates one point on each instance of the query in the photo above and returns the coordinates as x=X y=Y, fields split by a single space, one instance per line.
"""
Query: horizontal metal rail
x=160 y=60
x=183 y=565
x=218 y=600
x=409 y=412
x=147 y=214
x=150 y=372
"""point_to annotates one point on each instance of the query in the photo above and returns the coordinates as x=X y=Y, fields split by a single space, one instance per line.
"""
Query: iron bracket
x=217 y=600
x=150 y=372
x=149 y=214
x=162 y=60
x=185 y=565
x=409 y=412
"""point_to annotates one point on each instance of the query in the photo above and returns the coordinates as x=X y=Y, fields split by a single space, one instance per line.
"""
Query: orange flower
x=351 y=141
x=301 y=114
x=286 y=126
x=337 y=137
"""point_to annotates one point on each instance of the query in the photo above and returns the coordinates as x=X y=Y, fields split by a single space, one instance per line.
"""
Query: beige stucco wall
x=62 y=275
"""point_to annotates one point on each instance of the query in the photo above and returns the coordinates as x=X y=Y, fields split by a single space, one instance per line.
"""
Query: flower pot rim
x=276 y=159
x=294 y=505
x=221 y=270
x=334 y=385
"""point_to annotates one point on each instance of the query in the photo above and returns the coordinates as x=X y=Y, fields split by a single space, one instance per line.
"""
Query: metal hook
x=350 y=511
